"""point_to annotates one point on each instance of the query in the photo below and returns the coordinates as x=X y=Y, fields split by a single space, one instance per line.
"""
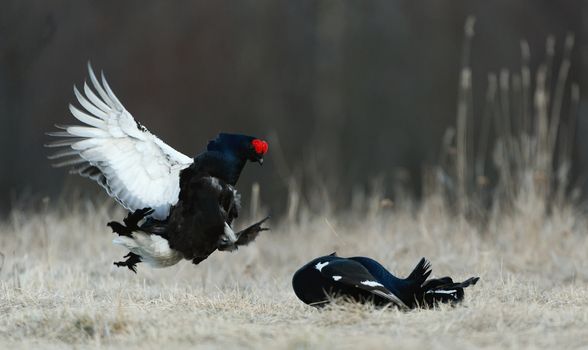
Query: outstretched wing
x=353 y=274
x=134 y=166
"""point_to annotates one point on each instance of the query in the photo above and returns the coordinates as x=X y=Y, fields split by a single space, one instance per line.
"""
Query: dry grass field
x=520 y=230
x=59 y=289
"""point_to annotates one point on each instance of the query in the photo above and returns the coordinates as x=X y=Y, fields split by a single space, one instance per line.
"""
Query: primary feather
x=134 y=166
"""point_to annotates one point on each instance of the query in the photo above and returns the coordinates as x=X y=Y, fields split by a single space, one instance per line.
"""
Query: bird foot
x=244 y=237
x=131 y=262
x=131 y=222
x=249 y=234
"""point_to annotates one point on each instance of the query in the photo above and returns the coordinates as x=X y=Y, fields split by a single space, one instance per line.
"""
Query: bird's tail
x=444 y=290
x=421 y=272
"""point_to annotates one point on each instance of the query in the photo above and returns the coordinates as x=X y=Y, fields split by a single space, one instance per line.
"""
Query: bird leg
x=249 y=234
x=131 y=262
x=244 y=237
x=228 y=202
x=131 y=222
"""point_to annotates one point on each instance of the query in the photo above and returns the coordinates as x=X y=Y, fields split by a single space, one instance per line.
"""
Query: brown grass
x=59 y=289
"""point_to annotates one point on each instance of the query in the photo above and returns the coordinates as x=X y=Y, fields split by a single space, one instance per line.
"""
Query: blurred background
x=348 y=93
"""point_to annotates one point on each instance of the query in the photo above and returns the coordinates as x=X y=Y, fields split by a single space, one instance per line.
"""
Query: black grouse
x=180 y=208
x=363 y=279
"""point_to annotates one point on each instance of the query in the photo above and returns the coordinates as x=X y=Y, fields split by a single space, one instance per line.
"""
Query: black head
x=241 y=146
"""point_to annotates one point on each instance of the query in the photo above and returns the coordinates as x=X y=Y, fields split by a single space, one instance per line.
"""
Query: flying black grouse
x=363 y=279
x=180 y=208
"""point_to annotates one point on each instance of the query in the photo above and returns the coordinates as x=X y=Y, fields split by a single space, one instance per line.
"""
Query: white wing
x=133 y=165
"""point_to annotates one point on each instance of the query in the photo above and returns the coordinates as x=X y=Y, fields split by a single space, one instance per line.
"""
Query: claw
x=130 y=263
x=132 y=220
x=249 y=234
x=124 y=263
x=116 y=227
x=258 y=224
x=264 y=220
x=119 y=228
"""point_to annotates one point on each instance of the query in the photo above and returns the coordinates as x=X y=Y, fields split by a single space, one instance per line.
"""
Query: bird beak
x=260 y=161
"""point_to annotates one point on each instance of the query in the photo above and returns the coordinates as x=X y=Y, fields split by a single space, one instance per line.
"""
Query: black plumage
x=363 y=279
x=201 y=221
x=180 y=207
x=198 y=223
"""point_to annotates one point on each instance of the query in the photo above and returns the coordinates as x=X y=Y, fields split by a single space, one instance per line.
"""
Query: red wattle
x=260 y=146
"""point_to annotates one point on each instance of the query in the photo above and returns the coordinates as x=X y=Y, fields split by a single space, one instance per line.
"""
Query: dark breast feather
x=197 y=221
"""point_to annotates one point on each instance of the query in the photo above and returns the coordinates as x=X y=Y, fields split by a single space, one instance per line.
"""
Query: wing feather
x=109 y=92
x=99 y=88
x=353 y=274
x=87 y=119
x=134 y=166
x=89 y=106
x=59 y=134
x=95 y=99
x=62 y=153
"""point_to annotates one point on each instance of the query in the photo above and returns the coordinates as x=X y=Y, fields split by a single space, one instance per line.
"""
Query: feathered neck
x=226 y=166
x=221 y=160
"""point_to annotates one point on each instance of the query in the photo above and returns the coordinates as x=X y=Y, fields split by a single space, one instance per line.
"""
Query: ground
x=59 y=289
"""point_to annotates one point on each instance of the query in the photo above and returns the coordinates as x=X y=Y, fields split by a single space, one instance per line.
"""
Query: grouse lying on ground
x=180 y=207
x=363 y=279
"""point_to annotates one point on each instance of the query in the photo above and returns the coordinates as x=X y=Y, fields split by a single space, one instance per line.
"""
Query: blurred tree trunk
x=328 y=94
x=582 y=123
x=17 y=55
